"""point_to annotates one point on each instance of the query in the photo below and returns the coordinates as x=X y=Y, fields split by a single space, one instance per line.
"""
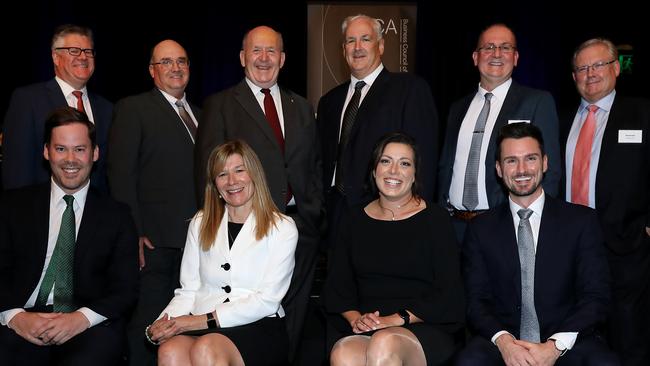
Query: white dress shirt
x=465 y=142
x=72 y=100
x=172 y=100
x=57 y=206
x=277 y=100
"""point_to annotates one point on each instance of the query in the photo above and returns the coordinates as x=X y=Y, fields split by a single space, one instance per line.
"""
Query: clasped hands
x=372 y=321
x=48 y=329
x=517 y=352
x=166 y=327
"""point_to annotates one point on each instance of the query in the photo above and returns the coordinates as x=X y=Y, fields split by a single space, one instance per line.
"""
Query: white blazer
x=259 y=273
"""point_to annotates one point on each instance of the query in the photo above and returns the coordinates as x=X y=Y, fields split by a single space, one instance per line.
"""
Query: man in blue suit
x=535 y=270
x=495 y=57
x=73 y=55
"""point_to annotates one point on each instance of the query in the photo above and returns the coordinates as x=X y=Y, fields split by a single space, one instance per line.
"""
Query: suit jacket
x=521 y=103
x=235 y=114
x=395 y=102
x=105 y=255
x=150 y=167
x=240 y=295
x=24 y=130
x=572 y=288
x=623 y=191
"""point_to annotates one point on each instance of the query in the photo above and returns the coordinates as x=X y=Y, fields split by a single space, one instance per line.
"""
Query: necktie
x=59 y=272
x=348 y=122
x=272 y=117
x=470 y=187
x=529 y=326
x=582 y=159
x=271 y=114
x=186 y=118
x=80 y=102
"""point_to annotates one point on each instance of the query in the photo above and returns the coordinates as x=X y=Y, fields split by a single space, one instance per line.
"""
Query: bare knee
x=169 y=354
x=349 y=351
x=384 y=348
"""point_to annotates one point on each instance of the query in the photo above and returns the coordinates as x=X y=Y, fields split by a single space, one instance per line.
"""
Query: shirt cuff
x=7 y=315
x=567 y=339
x=92 y=316
x=498 y=334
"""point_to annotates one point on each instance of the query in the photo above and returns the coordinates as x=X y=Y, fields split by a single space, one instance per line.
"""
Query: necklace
x=398 y=207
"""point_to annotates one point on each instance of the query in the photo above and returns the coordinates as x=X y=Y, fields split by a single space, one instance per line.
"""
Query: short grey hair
x=611 y=49
x=376 y=26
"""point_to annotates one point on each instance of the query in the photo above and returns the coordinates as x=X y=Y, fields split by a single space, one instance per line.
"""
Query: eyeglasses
x=598 y=66
x=492 y=48
x=167 y=63
x=76 y=51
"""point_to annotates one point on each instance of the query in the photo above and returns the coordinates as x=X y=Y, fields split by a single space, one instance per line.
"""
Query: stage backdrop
x=326 y=66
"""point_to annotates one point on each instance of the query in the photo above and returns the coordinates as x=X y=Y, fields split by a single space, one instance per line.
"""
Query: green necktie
x=59 y=272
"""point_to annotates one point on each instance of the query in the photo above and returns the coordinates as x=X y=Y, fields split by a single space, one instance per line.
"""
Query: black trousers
x=101 y=345
x=158 y=280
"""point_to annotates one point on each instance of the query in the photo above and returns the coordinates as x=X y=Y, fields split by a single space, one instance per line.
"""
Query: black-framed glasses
x=182 y=63
x=492 y=48
x=76 y=51
x=598 y=66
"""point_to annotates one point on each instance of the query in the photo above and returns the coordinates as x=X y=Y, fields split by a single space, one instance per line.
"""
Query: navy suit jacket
x=150 y=167
x=24 y=128
x=395 y=102
x=572 y=283
x=521 y=103
x=623 y=193
x=105 y=255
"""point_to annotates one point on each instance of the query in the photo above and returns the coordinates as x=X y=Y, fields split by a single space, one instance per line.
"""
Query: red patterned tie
x=80 y=102
x=271 y=114
x=582 y=159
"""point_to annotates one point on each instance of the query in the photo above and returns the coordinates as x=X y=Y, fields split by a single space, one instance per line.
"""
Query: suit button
x=227 y=289
x=225 y=266
x=226 y=300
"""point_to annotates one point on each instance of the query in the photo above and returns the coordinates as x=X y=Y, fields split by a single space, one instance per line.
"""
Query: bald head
x=170 y=67
x=262 y=56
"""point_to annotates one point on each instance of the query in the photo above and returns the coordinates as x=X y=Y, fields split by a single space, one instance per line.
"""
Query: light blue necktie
x=529 y=327
x=470 y=187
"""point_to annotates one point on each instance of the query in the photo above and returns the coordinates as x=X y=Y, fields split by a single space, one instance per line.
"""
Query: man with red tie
x=607 y=162
x=73 y=56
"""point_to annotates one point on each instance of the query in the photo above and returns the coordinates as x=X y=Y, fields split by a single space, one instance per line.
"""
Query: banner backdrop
x=326 y=66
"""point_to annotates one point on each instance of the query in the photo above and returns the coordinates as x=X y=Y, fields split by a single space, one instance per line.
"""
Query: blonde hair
x=214 y=207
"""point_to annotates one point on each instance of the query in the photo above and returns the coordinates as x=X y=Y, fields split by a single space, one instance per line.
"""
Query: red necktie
x=582 y=159
x=271 y=114
x=80 y=102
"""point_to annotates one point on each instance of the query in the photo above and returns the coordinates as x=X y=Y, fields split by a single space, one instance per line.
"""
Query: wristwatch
x=404 y=315
x=559 y=346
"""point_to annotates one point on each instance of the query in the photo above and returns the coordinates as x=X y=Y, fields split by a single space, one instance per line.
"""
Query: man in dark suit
x=387 y=102
x=65 y=301
x=73 y=55
x=287 y=146
x=150 y=168
x=495 y=57
x=608 y=168
x=535 y=269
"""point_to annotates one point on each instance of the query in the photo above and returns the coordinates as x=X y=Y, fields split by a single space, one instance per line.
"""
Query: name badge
x=518 y=121
x=630 y=136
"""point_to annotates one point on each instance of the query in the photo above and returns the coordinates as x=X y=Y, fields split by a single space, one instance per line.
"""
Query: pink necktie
x=582 y=159
x=80 y=102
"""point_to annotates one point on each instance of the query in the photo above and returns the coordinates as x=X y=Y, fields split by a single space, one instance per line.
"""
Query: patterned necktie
x=529 y=326
x=59 y=272
x=470 y=187
x=271 y=114
x=186 y=118
x=348 y=122
x=80 y=102
x=582 y=159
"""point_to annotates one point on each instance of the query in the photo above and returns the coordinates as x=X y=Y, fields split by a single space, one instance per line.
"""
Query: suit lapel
x=41 y=224
x=508 y=242
x=507 y=109
x=290 y=114
x=55 y=94
x=371 y=101
x=244 y=96
x=246 y=237
x=87 y=228
x=163 y=104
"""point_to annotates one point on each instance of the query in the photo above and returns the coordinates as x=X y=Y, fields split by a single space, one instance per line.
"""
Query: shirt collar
x=172 y=99
x=258 y=89
x=56 y=195
x=67 y=89
x=499 y=92
x=605 y=103
x=368 y=79
x=537 y=206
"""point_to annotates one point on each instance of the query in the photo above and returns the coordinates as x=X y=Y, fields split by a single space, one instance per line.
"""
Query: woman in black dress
x=394 y=274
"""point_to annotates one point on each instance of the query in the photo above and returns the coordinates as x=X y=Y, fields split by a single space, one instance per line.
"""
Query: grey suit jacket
x=150 y=167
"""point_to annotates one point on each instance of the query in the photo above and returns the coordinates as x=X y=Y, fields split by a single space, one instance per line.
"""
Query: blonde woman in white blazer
x=236 y=268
